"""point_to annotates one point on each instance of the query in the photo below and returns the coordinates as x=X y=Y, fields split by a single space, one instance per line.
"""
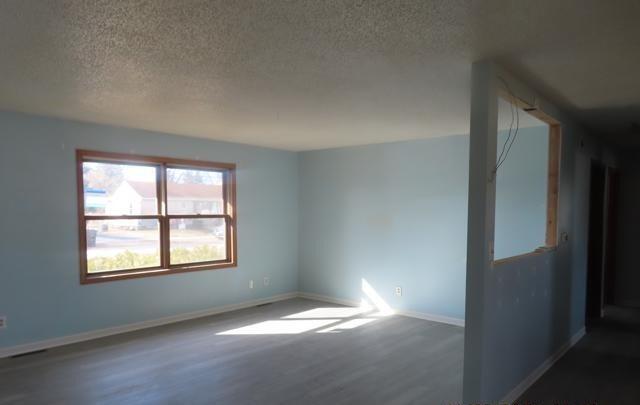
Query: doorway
x=600 y=263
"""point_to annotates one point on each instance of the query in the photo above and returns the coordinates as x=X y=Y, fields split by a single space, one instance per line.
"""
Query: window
x=528 y=152
x=142 y=216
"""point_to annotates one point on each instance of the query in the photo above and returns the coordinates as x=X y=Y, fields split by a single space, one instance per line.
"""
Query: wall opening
x=526 y=175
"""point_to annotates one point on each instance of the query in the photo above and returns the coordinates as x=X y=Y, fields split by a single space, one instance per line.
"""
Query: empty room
x=323 y=202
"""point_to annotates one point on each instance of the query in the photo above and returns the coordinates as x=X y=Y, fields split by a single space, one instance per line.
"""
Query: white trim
x=100 y=333
x=411 y=314
x=433 y=318
x=84 y=336
x=326 y=298
x=525 y=384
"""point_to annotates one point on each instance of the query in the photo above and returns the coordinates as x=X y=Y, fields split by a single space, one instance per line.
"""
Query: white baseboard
x=95 y=334
x=411 y=314
x=84 y=336
x=326 y=298
x=524 y=385
x=433 y=317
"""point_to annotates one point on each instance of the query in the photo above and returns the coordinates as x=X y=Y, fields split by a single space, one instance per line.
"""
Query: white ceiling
x=311 y=74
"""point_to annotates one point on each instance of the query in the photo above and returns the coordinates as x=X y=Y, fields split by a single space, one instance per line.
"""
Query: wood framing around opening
x=162 y=215
x=553 y=184
x=553 y=175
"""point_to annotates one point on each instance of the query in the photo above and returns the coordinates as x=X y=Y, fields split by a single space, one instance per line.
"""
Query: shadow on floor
x=603 y=368
x=296 y=351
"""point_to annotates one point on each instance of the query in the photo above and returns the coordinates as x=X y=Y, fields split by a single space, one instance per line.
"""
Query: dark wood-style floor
x=326 y=356
x=602 y=369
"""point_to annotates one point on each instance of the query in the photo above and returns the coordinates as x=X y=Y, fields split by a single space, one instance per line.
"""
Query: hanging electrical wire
x=509 y=134
x=510 y=140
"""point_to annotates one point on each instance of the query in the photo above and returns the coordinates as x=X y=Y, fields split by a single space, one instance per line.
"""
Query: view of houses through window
x=120 y=190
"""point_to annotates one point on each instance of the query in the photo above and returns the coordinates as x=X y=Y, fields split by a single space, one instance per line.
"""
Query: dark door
x=610 y=231
x=595 y=262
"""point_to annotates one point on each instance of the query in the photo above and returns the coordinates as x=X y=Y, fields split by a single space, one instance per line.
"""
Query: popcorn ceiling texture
x=308 y=74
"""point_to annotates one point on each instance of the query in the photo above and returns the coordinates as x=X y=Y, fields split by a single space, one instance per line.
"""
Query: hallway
x=603 y=368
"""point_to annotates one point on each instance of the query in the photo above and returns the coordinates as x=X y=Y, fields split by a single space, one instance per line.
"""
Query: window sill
x=124 y=275
x=538 y=252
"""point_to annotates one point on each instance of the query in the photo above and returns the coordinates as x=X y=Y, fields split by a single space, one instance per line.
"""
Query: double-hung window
x=142 y=215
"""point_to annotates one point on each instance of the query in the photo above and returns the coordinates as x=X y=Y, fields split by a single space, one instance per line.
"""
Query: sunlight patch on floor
x=350 y=324
x=281 y=327
x=340 y=318
x=331 y=312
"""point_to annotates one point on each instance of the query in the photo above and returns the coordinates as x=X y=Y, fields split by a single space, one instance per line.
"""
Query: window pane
x=521 y=183
x=192 y=191
x=197 y=240
x=119 y=189
x=122 y=244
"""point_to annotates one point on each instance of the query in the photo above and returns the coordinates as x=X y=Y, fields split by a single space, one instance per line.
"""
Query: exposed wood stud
x=553 y=184
x=553 y=175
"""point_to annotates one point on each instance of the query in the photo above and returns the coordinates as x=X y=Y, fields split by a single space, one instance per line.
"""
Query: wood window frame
x=163 y=217
x=553 y=174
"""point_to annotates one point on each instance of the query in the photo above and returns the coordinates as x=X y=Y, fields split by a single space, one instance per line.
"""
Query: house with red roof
x=140 y=198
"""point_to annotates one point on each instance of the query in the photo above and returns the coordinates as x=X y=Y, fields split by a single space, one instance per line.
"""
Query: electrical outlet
x=3 y=322
x=267 y=281
x=399 y=291
x=251 y=284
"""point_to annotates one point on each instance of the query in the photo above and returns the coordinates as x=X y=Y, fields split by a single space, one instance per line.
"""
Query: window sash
x=227 y=227
x=84 y=224
x=161 y=164
x=225 y=177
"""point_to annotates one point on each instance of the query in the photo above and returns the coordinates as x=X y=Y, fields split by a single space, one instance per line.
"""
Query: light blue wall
x=536 y=304
x=521 y=193
x=542 y=297
x=394 y=214
x=39 y=288
x=522 y=312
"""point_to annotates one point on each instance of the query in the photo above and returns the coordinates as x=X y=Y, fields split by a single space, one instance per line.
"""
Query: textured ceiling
x=311 y=74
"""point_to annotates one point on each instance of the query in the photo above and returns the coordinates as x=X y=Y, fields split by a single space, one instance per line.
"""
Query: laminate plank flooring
x=296 y=351
x=603 y=368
